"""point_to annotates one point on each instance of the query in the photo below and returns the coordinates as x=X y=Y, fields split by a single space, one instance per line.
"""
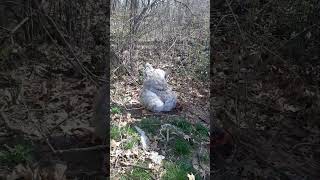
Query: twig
x=56 y=126
x=264 y=6
x=185 y=5
x=14 y=29
x=133 y=165
x=304 y=144
x=5 y=28
x=19 y=25
x=171 y=45
x=222 y=18
x=137 y=108
x=99 y=147
x=235 y=19
x=50 y=146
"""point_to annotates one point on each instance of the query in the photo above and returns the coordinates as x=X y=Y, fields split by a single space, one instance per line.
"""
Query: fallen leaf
x=290 y=108
x=186 y=137
x=191 y=177
x=114 y=143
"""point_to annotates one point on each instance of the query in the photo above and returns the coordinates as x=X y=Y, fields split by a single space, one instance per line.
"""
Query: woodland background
x=265 y=86
x=263 y=82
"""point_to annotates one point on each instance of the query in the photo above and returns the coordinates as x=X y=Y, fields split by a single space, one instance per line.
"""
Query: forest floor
x=46 y=107
x=265 y=88
x=179 y=138
x=273 y=115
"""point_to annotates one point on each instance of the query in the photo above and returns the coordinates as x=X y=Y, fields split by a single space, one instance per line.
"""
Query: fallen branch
x=141 y=167
x=19 y=25
x=235 y=19
x=14 y=30
x=92 y=148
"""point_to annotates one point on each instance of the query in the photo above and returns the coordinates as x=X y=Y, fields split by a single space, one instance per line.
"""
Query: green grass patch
x=201 y=130
x=197 y=130
x=179 y=170
x=183 y=124
x=18 y=154
x=150 y=125
x=141 y=174
x=115 y=133
x=137 y=173
x=115 y=110
x=132 y=136
x=182 y=147
x=126 y=132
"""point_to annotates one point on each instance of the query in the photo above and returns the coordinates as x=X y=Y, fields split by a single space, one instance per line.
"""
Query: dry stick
x=114 y=71
x=135 y=108
x=19 y=25
x=5 y=28
x=171 y=45
x=304 y=144
x=138 y=166
x=235 y=19
x=222 y=18
x=263 y=8
x=185 y=5
x=15 y=29
x=98 y=147
x=56 y=126
x=50 y=146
